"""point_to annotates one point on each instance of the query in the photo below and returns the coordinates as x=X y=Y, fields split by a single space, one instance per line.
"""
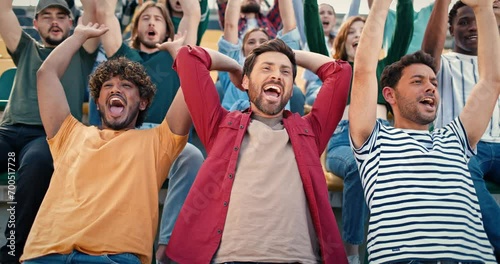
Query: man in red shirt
x=260 y=195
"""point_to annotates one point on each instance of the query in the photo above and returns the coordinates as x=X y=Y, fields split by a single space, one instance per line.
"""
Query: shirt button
x=307 y=131
x=241 y=127
x=229 y=123
x=225 y=203
x=219 y=231
x=235 y=148
x=230 y=176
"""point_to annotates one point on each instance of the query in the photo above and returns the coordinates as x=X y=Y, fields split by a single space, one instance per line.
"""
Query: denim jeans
x=340 y=161
x=486 y=164
x=34 y=167
x=77 y=257
x=180 y=179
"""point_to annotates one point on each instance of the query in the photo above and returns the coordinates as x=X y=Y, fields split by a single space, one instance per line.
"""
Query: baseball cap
x=42 y=4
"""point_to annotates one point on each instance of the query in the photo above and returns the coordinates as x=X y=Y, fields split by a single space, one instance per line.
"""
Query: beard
x=146 y=43
x=251 y=7
x=260 y=103
x=410 y=111
x=55 y=42
x=117 y=125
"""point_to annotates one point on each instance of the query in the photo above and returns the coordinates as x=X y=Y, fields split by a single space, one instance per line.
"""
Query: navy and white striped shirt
x=421 y=197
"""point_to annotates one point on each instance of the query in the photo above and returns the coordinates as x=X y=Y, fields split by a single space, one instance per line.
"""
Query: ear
x=450 y=28
x=389 y=95
x=245 y=82
x=35 y=24
x=143 y=104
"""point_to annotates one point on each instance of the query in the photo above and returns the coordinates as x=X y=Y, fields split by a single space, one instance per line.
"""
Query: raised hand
x=476 y=3
x=236 y=78
x=91 y=30
x=173 y=46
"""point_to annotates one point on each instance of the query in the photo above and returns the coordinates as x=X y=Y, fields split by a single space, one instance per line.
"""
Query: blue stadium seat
x=32 y=32
x=25 y=21
x=19 y=11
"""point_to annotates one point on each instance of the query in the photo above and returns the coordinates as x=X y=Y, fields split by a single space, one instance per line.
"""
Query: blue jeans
x=340 y=161
x=77 y=257
x=180 y=179
x=486 y=164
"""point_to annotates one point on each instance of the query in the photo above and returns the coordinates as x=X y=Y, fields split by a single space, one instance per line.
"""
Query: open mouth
x=55 y=30
x=472 y=37
x=496 y=4
x=273 y=92
x=428 y=102
x=116 y=105
x=355 y=44
x=151 y=33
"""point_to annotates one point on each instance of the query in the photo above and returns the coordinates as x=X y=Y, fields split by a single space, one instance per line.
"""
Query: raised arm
x=403 y=33
x=332 y=97
x=89 y=16
x=105 y=14
x=199 y=90
x=231 y=18
x=52 y=100
x=10 y=29
x=190 y=21
x=287 y=15
x=479 y=106
x=362 y=111
x=435 y=33
x=314 y=30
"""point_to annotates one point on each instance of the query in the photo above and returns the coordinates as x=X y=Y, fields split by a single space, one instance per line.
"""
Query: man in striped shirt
x=417 y=185
x=457 y=75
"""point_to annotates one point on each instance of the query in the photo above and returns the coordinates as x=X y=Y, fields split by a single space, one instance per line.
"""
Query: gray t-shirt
x=23 y=102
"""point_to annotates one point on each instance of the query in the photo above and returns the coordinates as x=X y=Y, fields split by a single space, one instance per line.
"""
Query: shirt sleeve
x=59 y=144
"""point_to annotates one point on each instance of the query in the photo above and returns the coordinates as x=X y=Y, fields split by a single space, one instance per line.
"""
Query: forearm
x=488 y=46
x=314 y=30
x=311 y=60
x=435 y=33
x=287 y=15
x=371 y=39
x=190 y=21
x=231 y=19
x=89 y=15
x=59 y=59
x=221 y=62
x=10 y=29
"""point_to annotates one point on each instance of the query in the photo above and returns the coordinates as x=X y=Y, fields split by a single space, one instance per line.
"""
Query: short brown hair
x=134 y=40
x=127 y=70
x=392 y=73
x=276 y=45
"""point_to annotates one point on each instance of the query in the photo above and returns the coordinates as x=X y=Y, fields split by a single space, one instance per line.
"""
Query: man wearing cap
x=22 y=137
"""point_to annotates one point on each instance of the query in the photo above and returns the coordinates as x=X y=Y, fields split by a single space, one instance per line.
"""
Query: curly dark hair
x=454 y=11
x=392 y=73
x=127 y=70
x=271 y=45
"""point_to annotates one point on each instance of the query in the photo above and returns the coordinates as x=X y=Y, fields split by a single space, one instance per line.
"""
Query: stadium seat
x=25 y=21
x=6 y=80
x=32 y=32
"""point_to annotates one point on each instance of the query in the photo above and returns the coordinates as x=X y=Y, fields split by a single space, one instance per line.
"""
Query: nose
x=473 y=26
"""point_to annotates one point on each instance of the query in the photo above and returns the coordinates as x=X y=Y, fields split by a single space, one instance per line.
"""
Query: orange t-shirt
x=103 y=196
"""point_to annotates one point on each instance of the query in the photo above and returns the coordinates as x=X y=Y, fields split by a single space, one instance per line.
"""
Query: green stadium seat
x=6 y=80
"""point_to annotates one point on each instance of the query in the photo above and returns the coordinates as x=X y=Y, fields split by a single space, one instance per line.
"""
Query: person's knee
x=340 y=161
x=187 y=163
x=37 y=157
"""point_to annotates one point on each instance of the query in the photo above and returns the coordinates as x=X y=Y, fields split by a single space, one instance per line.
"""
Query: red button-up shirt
x=199 y=227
